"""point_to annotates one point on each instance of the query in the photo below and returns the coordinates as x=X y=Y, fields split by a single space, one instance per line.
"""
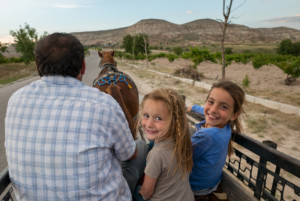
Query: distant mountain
x=203 y=31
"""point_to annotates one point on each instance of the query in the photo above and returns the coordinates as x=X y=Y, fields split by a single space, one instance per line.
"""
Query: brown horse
x=120 y=86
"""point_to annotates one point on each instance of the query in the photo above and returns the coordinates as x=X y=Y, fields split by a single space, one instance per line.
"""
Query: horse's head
x=107 y=57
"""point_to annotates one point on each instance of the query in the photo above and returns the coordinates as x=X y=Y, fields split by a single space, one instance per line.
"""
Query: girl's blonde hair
x=238 y=96
x=178 y=128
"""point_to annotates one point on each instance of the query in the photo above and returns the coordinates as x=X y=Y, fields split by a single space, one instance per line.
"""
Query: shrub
x=171 y=57
x=246 y=81
x=178 y=50
x=189 y=72
x=228 y=50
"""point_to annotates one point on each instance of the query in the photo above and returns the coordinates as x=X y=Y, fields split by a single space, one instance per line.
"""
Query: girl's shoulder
x=163 y=146
x=162 y=149
x=206 y=134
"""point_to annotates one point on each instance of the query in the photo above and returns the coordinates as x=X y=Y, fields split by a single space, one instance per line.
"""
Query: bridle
x=110 y=67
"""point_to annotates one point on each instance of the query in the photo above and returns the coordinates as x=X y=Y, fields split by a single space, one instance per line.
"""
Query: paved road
x=92 y=71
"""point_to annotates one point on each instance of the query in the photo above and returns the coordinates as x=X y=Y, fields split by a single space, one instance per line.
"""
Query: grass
x=280 y=96
x=14 y=71
x=257 y=125
x=14 y=78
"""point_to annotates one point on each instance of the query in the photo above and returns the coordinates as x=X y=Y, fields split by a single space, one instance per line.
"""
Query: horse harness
x=112 y=76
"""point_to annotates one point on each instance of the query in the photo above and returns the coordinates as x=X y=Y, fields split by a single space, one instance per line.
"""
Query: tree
x=25 y=39
x=145 y=37
x=226 y=13
x=127 y=43
x=137 y=44
x=296 y=48
x=287 y=47
x=2 y=49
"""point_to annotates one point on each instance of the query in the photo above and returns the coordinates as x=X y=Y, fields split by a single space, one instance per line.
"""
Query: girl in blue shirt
x=212 y=140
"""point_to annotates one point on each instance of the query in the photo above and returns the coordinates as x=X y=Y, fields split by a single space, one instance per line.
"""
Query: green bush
x=159 y=55
x=171 y=57
x=178 y=50
x=228 y=50
x=198 y=55
x=4 y=60
x=246 y=82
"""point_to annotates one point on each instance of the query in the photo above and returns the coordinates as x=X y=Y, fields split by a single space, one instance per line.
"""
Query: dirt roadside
x=259 y=122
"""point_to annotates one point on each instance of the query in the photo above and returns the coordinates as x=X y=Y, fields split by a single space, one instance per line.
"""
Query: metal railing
x=270 y=175
x=6 y=190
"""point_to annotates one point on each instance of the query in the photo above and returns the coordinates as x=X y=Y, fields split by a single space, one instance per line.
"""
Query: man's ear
x=83 y=67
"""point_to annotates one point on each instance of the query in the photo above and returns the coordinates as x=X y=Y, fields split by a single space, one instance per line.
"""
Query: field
x=14 y=71
x=259 y=122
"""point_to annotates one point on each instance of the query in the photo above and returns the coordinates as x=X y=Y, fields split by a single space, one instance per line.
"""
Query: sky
x=94 y=15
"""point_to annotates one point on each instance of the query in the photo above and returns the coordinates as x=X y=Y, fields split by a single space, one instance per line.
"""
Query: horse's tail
x=114 y=91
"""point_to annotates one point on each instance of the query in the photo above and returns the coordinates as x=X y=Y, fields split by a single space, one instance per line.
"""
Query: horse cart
x=264 y=173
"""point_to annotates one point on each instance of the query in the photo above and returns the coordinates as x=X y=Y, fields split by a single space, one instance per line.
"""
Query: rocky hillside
x=203 y=31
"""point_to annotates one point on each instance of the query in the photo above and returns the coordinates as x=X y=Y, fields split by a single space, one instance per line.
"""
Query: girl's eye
x=224 y=107
x=210 y=101
x=145 y=115
x=158 y=118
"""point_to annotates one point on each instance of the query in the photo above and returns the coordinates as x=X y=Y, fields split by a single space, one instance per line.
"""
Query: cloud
x=72 y=4
x=291 y=19
x=189 y=12
x=66 y=6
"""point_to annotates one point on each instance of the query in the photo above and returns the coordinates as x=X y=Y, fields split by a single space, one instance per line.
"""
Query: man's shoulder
x=70 y=89
x=94 y=95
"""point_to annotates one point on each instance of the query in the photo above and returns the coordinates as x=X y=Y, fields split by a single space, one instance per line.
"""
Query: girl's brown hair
x=178 y=128
x=238 y=96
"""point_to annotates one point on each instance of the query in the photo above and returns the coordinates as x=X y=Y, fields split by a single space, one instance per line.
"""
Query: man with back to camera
x=64 y=140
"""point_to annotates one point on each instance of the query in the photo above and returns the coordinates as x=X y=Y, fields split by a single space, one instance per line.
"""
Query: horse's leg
x=114 y=91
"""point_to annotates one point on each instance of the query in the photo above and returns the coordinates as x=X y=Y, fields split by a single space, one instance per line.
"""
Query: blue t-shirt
x=210 y=147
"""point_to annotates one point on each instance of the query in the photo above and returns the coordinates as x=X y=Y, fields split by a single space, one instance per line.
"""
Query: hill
x=198 y=32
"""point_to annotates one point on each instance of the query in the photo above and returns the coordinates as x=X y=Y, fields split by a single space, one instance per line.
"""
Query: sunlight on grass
x=15 y=71
x=14 y=78
x=257 y=125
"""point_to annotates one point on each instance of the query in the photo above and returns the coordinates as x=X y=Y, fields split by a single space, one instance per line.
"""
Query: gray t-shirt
x=168 y=186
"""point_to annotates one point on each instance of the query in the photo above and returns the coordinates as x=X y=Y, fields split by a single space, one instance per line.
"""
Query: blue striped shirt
x=64 y=140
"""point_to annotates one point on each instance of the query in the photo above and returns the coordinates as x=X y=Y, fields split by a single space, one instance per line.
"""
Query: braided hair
x=178 y=129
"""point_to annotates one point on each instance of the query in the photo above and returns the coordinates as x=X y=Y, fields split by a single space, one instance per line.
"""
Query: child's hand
x=189 y=108
x=147 y=189
x=144 y=194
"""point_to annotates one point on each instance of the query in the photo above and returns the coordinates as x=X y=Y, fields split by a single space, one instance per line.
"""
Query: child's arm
x=196 y=108
x=189 y=109
x=148 y=187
